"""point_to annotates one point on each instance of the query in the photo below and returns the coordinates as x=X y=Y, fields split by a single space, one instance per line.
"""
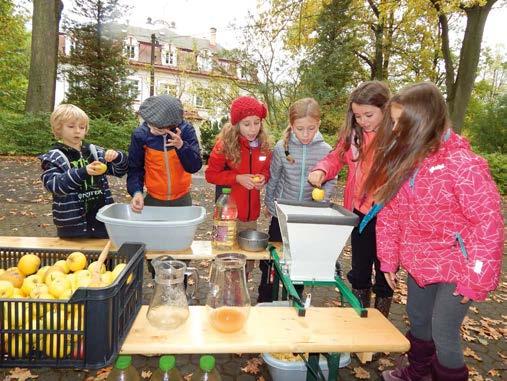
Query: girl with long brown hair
x=365 y=112
x=441 y=221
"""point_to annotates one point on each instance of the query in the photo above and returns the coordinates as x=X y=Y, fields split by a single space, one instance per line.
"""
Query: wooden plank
x=275 y=329
x=198 y=251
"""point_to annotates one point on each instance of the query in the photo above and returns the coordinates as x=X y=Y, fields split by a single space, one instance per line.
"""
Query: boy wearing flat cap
x=163 y=153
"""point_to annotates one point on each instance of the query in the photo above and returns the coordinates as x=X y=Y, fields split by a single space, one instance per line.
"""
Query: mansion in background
x=184 y=66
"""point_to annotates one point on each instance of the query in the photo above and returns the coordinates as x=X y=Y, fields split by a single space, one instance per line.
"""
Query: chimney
x=213 y=37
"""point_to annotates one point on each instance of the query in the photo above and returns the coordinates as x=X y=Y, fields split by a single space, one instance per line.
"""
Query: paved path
x=26 y=211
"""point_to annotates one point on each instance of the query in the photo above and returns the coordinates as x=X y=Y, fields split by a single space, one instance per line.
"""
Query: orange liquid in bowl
x=228 y=319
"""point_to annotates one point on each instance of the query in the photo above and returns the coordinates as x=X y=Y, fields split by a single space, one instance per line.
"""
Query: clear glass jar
x=228 y=301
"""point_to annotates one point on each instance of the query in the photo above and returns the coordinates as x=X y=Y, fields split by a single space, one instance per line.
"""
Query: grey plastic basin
x=159 y=228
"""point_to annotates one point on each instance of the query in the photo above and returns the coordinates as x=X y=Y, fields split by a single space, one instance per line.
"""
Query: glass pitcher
x=169 y=307
x=228 y=301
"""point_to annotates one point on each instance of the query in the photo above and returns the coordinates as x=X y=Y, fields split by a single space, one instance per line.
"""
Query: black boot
x=383 y=304
x=364 y=296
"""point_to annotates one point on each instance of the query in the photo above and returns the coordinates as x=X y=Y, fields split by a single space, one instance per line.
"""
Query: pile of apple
x=59 y=281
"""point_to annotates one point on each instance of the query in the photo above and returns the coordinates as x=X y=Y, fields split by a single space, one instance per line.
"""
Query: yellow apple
x=318 y=194
x=13 y=313
x=56 y=319
x=29 y=283
x=101 y=168
x=62 y=263
x=14 y=276
x=118 y=269
x=42 y=272
x=107 y=278
x=94 y=265
x=17 y=293
x=256 y=179
x=52 y=273
x=2 y=271
x=58 y=286
x=39 y=289
x=18 y=345
x=67 y=294
x=76 y=261
x=56 y=346
x=82 y=278
x=28 y=264
x=6 y=289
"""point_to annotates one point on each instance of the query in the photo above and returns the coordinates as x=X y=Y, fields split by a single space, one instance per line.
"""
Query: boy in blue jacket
x=74 y=172
x=163 y=153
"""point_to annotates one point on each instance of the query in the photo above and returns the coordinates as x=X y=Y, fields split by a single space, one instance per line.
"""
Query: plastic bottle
x=123 y=370
x=167 y=370
x=224 y=221
x=207 y=370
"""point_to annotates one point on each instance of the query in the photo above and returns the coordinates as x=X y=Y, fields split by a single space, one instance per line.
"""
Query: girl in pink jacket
x=441 y=221
x=354 y=149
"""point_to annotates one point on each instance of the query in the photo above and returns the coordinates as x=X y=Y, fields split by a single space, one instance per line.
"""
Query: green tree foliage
x=96 y=68
x=209 y=131
x=14 y=57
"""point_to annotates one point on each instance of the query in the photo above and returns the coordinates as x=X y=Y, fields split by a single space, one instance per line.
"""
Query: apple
x=18 y=345
x=59 y=286
x=257 y=179
x=94 y=267
x=78 y=351
x=118 y=269
x=6 y=289
x=17 y=293
x=28 y=264
x=76 y=261
x=29 y=283
x=67 y=294
x=14 y=276
x=62 y=263
x=318 y=194
x=13 y=309
x=101 y=168
x=39 y=289
x=56 y=346
x=53 y=273
x=107 y=278
x=42 y=272
x=82 y=278
x=56 y=319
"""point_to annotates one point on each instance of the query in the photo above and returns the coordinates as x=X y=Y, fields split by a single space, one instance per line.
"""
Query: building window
x=134 y=89
x=131 y=48
x=198 y=101
x=167 y=89
x=204 y=61
x=169 y=55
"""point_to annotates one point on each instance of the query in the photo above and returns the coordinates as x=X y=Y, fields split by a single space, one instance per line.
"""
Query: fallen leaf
x=101 y=375
x=384 y=363
x=468 y=352
x=261 y=378
x=494 y=373
x=252 y=365
x=188 y=377
x=361 y=373
x=146 y=373
x=20 y=374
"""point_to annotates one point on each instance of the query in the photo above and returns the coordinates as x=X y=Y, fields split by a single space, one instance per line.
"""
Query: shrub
x=498 y=166
x=209 y=131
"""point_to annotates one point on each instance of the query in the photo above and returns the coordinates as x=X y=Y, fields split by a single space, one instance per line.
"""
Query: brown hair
x=418 y=133
x=65 y=113
x=373 y=93
x=300 y=109
x=230 y=135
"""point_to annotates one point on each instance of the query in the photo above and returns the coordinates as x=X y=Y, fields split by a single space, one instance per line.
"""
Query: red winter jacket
x=221 y=171
x=445 y=224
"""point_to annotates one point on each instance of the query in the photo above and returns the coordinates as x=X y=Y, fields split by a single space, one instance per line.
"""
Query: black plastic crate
x=85 y=331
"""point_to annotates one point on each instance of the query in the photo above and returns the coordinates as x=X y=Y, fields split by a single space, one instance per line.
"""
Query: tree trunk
x=44 y=56
x=468 y=61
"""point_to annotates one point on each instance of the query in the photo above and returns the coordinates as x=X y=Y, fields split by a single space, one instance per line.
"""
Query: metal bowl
x=253 y=240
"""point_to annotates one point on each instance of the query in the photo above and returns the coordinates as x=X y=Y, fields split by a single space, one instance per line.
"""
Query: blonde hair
x=229 y=135
x=299 y=109
x=64 y=113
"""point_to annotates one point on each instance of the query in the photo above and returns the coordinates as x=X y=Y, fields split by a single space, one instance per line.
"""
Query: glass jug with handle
x=228 y=301
x=169 y=306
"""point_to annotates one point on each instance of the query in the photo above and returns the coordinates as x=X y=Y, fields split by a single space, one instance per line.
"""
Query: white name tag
x=262 y=158
x=478 y=267
x=436 y=168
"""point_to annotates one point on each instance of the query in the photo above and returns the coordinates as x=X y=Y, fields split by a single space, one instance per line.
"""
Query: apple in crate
x=76 y=261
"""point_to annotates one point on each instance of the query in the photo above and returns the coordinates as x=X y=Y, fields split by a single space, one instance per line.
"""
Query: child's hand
x=246 y=180
x=316 y=178
x=259 y=181
x=96 y=168
x=110 y=155
x=266 y=212
x=391 y=279
x=137 y=202
x=175 y=139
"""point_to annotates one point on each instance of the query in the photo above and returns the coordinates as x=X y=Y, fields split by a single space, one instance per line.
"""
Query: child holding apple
x=300 y=149
x=240 y=158
x=74 y=172
x=365 y=111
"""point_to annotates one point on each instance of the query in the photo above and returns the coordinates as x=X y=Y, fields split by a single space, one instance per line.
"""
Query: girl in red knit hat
x=240 y=159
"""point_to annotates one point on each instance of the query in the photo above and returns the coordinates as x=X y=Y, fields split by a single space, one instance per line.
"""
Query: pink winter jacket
x=445 y=224
x=333 y=163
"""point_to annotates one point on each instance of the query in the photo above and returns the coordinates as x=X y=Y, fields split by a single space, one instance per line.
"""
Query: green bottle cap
x=207 y=363
x=166 y=363
x=226 y=190
x=123 y=362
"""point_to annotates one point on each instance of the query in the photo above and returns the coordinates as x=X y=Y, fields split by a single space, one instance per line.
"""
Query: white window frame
x=169 y=53
x=131 y=48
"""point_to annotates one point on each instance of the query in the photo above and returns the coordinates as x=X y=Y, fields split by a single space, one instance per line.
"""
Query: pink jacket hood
x=445 y=224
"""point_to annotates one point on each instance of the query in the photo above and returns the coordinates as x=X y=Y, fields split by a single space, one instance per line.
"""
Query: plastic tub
x=159 y=228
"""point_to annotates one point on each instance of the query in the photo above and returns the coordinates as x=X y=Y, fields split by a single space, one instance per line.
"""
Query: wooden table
x=271 y=329
x=199 y=249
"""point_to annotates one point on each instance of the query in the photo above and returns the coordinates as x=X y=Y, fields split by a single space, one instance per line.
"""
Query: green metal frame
x=333 y=359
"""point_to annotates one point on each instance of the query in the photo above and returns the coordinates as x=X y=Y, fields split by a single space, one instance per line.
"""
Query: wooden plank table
x=198 y=251
x=271 y=329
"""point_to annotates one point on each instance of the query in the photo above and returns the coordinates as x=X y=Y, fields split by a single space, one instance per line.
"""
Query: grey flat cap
x=162 y=111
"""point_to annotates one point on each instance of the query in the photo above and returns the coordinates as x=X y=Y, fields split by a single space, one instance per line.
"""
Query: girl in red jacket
x=364 y=116
x=441 y=221
x=240 y=158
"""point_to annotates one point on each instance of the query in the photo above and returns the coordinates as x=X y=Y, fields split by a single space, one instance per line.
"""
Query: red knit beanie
x=246 y=106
